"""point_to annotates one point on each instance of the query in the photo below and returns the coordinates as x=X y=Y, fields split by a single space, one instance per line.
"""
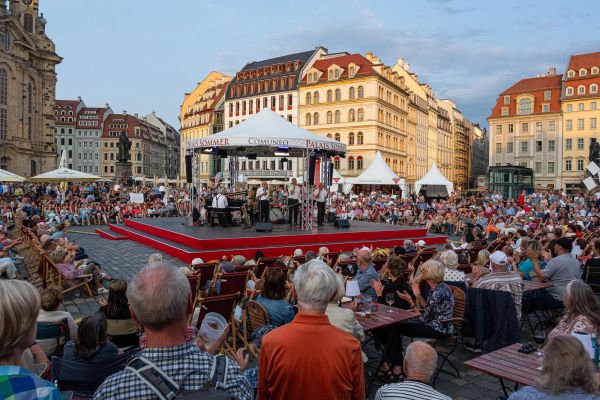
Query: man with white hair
x=309 y=358
x=160 y=301
x=366 y=273
x=420 y=362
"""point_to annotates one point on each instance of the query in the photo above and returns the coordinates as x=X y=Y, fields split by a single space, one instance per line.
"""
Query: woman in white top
x=450 y=260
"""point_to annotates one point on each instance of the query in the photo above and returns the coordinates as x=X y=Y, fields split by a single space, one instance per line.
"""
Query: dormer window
x=547 y=95
x=330 y=75
x=595 y=71
x=352 y=71
x=571 y=74
x=580 y=89
x=569 y=91
x=506 y=99
x=582 y=72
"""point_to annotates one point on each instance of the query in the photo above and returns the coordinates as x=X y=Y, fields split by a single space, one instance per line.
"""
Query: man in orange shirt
x=309 y=358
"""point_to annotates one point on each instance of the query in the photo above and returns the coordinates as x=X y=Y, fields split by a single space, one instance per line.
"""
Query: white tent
x=266 y=132
x=434 y=183
x=337 y=178
x=377 y=173
x=64 y=174
x=6 y=176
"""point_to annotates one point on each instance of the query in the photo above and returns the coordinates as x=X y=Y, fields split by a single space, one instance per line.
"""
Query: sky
x=144 y=55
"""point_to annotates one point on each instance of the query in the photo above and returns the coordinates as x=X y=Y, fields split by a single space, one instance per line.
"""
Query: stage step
x=107 y=234
x=187 y=253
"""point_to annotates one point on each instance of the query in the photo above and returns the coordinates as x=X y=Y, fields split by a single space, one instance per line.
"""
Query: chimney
x=106 y=105
x=551 y=71
x=78 y=98
x=135 y=115
x=124 y=111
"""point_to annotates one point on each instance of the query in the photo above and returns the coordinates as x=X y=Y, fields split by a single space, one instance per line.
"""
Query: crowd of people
x=310 y=347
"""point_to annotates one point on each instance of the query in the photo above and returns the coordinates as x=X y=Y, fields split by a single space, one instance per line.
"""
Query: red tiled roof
x=534 y=87
x=585 y=81
x=365 y=68
x=64 y=103
x=586 y=61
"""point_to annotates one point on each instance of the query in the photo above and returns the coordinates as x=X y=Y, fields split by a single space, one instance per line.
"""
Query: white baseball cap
x=421 y=243
x=499 y=258
x=197 y=261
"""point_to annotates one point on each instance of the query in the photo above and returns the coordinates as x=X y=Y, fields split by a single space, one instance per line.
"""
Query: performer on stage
x=220 y=202
x=262 y=194
x=320 y=195
x=293 y=202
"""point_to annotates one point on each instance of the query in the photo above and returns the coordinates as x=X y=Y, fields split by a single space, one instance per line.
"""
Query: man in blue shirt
x=366 y=273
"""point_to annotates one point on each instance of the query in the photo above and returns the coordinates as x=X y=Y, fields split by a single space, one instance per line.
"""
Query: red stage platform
x=170 y=236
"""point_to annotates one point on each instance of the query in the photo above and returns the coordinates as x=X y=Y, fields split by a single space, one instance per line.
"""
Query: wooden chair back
x=257 y=315
x=194 y=281
x=378 y=263
x=233 y=282
x=223 y=305
x=458 y=313
x=207 y=272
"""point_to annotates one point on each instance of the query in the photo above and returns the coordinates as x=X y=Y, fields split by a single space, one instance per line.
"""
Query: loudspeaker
x=311 y=170
x=264 y=227
x=188 y=168
x=342 y=223
x=222 y=153
x=330 y=174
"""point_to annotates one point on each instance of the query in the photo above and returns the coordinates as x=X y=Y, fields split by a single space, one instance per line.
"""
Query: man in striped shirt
x=420 y=362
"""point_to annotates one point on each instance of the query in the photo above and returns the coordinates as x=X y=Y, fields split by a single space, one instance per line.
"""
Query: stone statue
x=594 y=152
x=124 y=148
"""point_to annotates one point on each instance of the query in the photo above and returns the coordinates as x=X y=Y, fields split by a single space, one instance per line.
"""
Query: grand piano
x=235 y=202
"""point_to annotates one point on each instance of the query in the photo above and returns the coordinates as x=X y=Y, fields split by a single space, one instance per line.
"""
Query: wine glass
x=390 y=299
x=539 y=337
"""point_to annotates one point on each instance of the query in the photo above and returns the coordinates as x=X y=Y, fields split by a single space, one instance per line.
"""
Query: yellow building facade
x=201 y=115
x=362 y=103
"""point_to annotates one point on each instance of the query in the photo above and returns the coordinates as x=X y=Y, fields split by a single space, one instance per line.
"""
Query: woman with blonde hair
x=451 y=273
x=567 y=373
x=19 y=308
x=582 y=312
x=480 y=268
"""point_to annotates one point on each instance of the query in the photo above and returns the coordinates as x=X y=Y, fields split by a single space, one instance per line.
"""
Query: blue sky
x=143 y=55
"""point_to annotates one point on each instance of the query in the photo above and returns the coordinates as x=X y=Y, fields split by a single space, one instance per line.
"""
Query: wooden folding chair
x=233 y=282
x=223 y=305
x=65 y=284
x=255 y=317
x=207 y=273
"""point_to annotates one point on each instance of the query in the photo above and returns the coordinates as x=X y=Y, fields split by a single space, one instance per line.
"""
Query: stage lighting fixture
x=281 y=154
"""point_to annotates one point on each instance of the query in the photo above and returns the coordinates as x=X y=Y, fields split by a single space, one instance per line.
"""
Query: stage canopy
x=378 y=173
x=64 y=174
x=6 y=176
x=434 y=183
x=266 y=134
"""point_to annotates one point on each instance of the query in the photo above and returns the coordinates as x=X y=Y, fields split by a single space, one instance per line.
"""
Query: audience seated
x=366 y=273
x=51 y=299
x=91 y=344
x=272 y=298
x=451 y=274
x=116 y=308
x=582 y=312
x=19 y=308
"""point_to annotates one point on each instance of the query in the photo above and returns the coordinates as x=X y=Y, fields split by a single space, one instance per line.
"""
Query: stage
x=171 y=236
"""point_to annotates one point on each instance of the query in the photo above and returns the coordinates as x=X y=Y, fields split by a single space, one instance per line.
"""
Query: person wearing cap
x=502 y=279
x=559 y=271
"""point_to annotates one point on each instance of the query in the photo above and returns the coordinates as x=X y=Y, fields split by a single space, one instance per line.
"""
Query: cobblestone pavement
x=124 y=258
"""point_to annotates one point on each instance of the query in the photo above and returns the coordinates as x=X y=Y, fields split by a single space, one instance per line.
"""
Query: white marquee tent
x=64 y=174
x=6 y=176
x=434 y=183
x=378 y=173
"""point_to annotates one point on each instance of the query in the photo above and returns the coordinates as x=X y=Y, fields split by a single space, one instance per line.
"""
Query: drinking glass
x=539 y=337
x=390 y=299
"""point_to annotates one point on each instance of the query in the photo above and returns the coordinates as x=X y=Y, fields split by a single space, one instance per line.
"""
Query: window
x=511 y=128
x=594 y=71
x=550 y=167
x=273 y=165
x=330 y=75
x=569 y=144
x=359 y=162
x=525 y=127
x=360 y=114
x=569 y=107
x=594 y=88
x=28 y=22
x=316 y=97
x=538 y=167
x=351 y=116
x=338 y=116
x=506 y=99
x=351 y=138
x=329 y=96
x=539 y=145
x=361 y=94
x=545 y=108
x=509 y=147
x=290 y=101
x=351 y=93
x=551 y=145
x=551 y=126
x=524 y=147
x=273 y=102
x=579 y=165
x=581 y=107
x=525 y=106
x=571 y=74
x=569 y=126
x=3 y=101
x=308 y=119
x=316 y=118
x=338 y=95
x=580 y=144
x=569 y=91
x=359 y=140
x=580 y=124
x=337 y=137
x=498 y=148
x=580 y=89
x=582 y=72
x=593 y=123
x=538 y=126
x=504 y=111
x=350 y=162
x=547 y=95
x=498 y=129
x=336 y=163
x=593 y=105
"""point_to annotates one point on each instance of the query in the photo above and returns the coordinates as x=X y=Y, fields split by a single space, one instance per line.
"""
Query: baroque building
x=27 y=89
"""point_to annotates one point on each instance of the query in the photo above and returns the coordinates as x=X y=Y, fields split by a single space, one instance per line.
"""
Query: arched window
x=33 y=168
x=338 y=137
x=525 y=106
x=316 y=97
x=329 y=117
x=593 y=88
x=571 y=74
x=361 y=92
x=3 y=86
x=336 y=163
x=4 y=163
x=30 y=97
x=359 y=162
x=351 y=93
x=329 y=136
x=569 y=91
x=351 y=138
x=316 y=118
x=338 y=116
x=338 y=95
x=329 y=96
x=351 y=116
x=350 y=162
x=308 y=98
x=28 y=22
x=582 y=72
x=580 y=89
x=595 y=70
x=308 y=119
x=359 y=138
x=360 y=114
x=139 y=156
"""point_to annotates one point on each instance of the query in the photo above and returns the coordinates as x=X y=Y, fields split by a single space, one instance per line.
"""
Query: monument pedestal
x=123 y=170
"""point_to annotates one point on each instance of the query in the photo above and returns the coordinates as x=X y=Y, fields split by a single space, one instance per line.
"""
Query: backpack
x=167 y=389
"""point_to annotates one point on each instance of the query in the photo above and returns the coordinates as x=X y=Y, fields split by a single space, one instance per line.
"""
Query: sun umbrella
x=64 y=174
x=6 y=176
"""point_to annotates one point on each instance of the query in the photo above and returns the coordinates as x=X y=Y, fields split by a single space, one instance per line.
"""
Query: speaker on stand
x=188 y=168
